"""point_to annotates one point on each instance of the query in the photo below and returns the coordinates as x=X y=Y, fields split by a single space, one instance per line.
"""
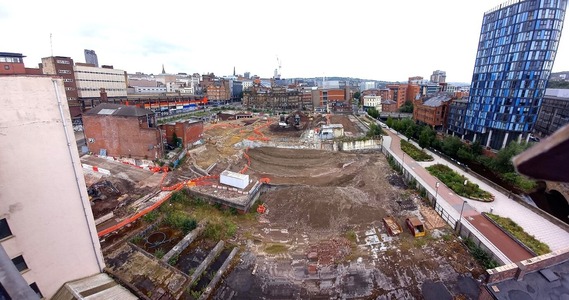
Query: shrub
x=180 y=220
x=455 y=182
x=159 y=253
x=484 y=258
x=414 y=152
x=151 y=216
x=519 y=233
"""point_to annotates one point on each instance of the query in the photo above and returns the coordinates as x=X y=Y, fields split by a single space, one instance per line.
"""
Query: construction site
x=275 y=207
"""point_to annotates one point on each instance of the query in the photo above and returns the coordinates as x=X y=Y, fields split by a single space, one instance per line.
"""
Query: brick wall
x=121 y=136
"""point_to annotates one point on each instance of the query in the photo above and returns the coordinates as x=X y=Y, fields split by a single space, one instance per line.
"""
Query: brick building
x=189 y=131
x=388 y=106
x=118 y=130
x=63 y=66
x=12 y=63
x=399 y=93
x=432 y=111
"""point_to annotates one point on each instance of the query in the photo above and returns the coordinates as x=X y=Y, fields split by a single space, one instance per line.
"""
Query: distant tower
x=233 y=70
x=91 y=57
x=163 y=71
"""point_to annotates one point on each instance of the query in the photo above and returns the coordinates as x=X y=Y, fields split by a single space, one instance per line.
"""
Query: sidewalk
x=502 y=244
x=545 y=231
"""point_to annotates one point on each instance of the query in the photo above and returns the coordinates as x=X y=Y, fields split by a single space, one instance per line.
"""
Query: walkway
x=454 y=204
x=555 y=237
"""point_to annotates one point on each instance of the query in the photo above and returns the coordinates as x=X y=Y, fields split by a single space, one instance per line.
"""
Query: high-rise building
x=63 y=66
x=91 y=57
x=439 y=76
x=516 y=51
x=46 y=224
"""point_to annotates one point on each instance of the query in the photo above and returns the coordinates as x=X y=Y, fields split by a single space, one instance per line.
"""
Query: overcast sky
x=381 y=40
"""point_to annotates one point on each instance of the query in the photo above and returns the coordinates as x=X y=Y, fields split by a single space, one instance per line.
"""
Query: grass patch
x=517 y=231
x=276 y=249
x=180 y=220
x=351 y=236
x=151 y=216
x=484 y=258
x=159 y=253
x=455 y=182
x=415 y=153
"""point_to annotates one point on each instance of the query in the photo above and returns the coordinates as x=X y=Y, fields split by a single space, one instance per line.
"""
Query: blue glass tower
x=516 y=51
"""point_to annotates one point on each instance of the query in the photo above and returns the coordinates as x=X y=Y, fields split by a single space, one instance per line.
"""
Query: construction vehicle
x=415 y=226
x=393 y=228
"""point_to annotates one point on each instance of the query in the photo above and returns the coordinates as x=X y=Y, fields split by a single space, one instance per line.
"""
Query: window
x=63 y=62
x=20 y=263
x=34 y=287
x=4 y=229
x=3 y=294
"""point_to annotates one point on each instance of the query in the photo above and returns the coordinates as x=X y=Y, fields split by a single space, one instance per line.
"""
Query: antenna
x=51 y=43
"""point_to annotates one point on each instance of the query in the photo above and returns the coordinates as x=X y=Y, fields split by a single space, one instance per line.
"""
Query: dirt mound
x=323 y=209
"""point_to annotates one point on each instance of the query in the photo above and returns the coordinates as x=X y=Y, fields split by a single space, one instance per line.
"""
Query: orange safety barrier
x=261 y=208
x=138 y=215
x=265 y=180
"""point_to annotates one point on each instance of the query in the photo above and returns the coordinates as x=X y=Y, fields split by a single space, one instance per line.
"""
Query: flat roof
x=118 y=110
x=11 y=54
x=235 y=175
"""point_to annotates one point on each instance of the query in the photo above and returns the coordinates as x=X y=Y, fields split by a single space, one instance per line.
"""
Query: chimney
x=103 y=95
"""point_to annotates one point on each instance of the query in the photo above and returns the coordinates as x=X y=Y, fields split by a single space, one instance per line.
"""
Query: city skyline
x=377 y=41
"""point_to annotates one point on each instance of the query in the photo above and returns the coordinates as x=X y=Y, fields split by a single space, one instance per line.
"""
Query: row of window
x=11 y=59
x=98 y=89
x=99 y=80
x=64 y=71
x=103 y=73
x=19 y=261
x=63 y=62
x=498 y=20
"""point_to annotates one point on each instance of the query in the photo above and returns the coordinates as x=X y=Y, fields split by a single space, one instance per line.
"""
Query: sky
x=377 y=40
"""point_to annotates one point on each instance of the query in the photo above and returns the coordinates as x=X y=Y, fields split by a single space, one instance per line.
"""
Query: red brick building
x=12 y=63
x=388 y=106
x=189 y=131
x=433 y=111
x=399 y=93
x=118 y=130
x=63 y=66
x=413 y=91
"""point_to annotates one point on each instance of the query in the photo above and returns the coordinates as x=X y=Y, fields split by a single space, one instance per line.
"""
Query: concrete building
x=118 y=130
x=432 y=111
x=149 y=90
x=439 y=76
x=554 y=112
x=517 y=48
x=372 y=101
x=90 y=80
x=367 y=85
x=91 y=57
x=63 y=66
x=46 y=225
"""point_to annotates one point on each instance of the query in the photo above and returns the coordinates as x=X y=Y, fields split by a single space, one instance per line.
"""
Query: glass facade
x=517 y=47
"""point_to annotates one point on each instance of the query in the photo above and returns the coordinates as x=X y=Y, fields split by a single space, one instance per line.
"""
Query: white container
x=234 y=179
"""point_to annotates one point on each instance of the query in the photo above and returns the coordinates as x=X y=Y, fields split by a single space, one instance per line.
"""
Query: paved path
x=499 y=239
x=545 y=231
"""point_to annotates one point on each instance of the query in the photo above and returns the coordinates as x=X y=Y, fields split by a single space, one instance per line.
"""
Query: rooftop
x=10 y=54
x=437 y=100
x=118 y=110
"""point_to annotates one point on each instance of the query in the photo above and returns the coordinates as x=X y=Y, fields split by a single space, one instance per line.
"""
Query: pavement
x=555 y=237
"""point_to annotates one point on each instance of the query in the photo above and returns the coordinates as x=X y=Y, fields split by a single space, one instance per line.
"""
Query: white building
x=90 y=80
x=46 y=224
x=372 y=101
x=247 y=84
x=367 y=85
x=149 y=90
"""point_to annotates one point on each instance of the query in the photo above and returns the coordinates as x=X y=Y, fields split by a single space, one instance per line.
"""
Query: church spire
x=163 y=71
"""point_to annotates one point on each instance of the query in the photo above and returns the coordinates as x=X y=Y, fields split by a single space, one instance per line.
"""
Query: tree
x=374 y=130
x=372 y=112
x=389 y=122
x=426 y=137
x=357 y=95
x=503 y=160
x=451 y=145
x=407 y=107
x=176 y=140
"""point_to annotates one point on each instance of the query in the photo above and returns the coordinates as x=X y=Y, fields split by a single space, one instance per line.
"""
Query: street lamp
x=460 y=216
x=403 y=157
x=436 y=193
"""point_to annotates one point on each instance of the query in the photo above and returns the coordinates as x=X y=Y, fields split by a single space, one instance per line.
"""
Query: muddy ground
x=322 y=236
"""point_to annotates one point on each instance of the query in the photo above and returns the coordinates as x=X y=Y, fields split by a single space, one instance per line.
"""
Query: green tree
x=426 y=137
x=374 y=130
x=503 y=161
x=373 y=112
x=451 y=145
x=389 y=122
x=357 y=95
x=176 y=140
x=407 y=107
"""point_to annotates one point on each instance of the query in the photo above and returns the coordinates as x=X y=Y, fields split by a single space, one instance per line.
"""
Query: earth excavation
x=320 y=232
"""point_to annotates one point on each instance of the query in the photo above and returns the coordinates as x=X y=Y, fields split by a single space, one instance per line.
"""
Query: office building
x=554 y=112
x=46 y=224
x=91 y=57
x=63 y=66
x=439 y=76
x=517 y=48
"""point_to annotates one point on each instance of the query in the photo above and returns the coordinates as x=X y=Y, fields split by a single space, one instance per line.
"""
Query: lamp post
x=436 y=193
x=403 y=157
x=460 y=216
